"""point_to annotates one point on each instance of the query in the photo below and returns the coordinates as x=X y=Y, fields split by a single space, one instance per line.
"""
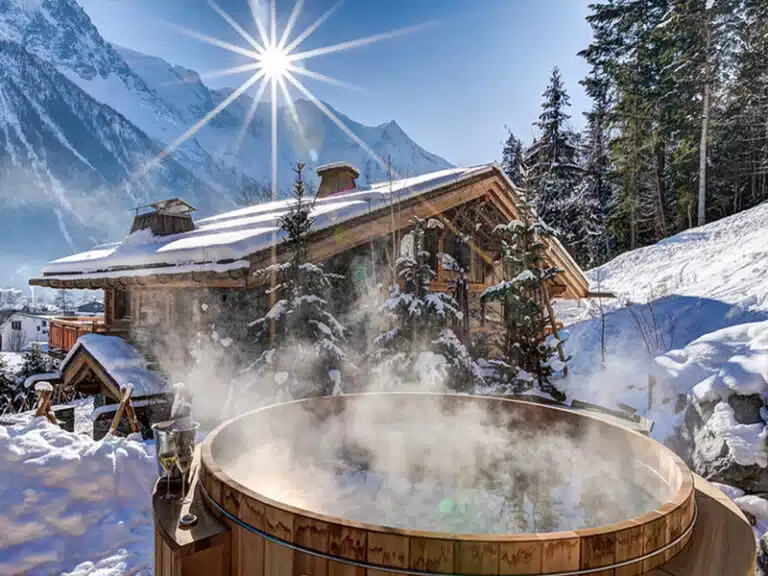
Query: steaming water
x=421 y=469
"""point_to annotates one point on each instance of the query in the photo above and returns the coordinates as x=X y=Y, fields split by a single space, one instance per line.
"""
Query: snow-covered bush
x=521 y=294
x=299 y=341
x=418 y=321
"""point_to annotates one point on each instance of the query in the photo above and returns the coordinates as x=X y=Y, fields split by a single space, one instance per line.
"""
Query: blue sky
x=452 y=86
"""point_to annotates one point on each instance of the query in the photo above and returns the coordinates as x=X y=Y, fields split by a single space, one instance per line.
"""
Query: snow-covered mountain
x=79 y=118
x=317 y=142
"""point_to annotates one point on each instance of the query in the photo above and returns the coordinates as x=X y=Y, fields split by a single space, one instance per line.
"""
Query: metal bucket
x=162 y=433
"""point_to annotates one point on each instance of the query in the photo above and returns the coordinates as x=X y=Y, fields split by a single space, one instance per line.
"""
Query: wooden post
x=125 y=406
x=44 y=392
x=551 y=312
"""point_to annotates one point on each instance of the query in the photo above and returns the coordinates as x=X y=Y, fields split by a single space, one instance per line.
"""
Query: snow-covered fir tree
x=7 y=384
x=299 y=341
x=528 y=358
x=511 y=157
x=554 y=170
x=34 y=362
x=593 y=195
x=420 y=347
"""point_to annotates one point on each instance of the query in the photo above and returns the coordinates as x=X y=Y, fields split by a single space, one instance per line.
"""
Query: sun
x=275 y=62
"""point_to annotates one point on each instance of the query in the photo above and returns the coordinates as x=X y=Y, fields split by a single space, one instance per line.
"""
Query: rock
x=746 y=409
x=701 y=445
x=762 y=555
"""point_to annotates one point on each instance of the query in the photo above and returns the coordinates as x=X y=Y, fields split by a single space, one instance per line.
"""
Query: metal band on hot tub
x=393 y=569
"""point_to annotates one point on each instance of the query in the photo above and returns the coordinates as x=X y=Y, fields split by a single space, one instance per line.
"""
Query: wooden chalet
x=173 y=275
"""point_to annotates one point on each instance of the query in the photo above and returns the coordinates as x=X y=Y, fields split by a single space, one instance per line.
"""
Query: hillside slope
x=683 y=288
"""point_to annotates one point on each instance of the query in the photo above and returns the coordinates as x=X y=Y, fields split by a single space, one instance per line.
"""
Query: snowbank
x=698 y=283
x=72 y=505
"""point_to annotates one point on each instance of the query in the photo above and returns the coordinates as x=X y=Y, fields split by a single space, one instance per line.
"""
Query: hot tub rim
x=678 y=499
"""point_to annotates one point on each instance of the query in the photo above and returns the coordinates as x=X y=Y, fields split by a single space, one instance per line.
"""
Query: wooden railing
x=64 y=332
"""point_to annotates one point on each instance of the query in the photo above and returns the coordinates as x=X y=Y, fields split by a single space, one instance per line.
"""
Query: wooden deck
x=63 y=332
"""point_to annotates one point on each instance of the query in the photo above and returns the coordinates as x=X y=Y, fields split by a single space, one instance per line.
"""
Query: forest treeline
x=677 y=132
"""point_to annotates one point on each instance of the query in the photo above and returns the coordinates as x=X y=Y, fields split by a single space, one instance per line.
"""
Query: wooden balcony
x=63 y=332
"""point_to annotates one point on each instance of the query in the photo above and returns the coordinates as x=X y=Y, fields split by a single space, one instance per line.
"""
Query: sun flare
x=275 y=62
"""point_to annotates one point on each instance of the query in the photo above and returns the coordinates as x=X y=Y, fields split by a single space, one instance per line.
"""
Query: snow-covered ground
x=13 y=360
x=74 y=506
x=696 y=282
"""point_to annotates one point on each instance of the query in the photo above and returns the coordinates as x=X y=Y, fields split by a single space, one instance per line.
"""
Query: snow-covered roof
x=122 y=361
x=221 y=243
x=335 y=165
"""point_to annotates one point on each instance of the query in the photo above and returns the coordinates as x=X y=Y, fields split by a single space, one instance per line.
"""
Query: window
x=45 y=323
x=15 y=324
x=38 y=328
x=122 y=304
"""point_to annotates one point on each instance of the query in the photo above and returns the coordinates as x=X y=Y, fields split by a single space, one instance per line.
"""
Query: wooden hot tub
x=284 y=521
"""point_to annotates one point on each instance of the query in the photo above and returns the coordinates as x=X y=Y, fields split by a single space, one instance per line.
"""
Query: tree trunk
x=705 y=122
x=661 y=186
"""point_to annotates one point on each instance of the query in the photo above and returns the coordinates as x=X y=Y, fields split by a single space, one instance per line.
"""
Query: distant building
x=21 y=329
x=90 y=308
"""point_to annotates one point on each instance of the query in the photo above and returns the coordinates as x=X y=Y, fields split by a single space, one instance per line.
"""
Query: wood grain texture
x=559 y=555
x=629 y=544
x=431 y=555
x=347 y=542
x=520 y=557
x=312 y=534
x=278 y=560
x=476 y=557
x=387 y=550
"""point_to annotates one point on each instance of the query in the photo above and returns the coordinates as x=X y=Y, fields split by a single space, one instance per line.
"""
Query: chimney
x=172 y=216
x=336 y=177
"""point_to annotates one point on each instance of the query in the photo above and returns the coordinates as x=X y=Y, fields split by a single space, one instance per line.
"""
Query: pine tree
x=511 y=156
x=63 y=301
x=34 y=362
x=419 y=320
x=554 y=169
x=595 y=192
x=7 y=384
x=299 y=340
x=528 y=356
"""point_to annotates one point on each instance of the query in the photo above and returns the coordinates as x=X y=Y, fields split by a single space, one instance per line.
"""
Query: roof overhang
x=330 y=241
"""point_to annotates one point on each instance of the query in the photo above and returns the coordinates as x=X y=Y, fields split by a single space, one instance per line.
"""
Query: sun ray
x=292 y=108
x=273 y=86
x=335 y=119
x=214 y=74
x=230 y=71
x=291 y=23
x=273 y=23
x=236 y=27
x=312 y=27
x=215 y=41
x=251 y=112
x=323 y=78
x=255 y=6
x=359 y=42
x=207 y=118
